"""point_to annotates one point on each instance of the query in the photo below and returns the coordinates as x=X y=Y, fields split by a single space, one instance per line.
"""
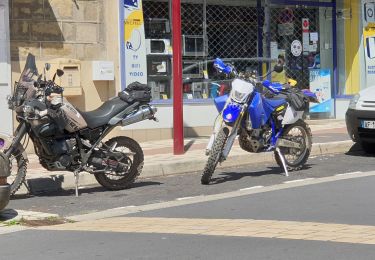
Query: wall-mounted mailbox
x=72 y=76
x=103 y=70
x=71 y=80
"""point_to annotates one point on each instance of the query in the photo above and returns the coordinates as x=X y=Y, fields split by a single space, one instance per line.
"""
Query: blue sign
x=132 y=3
x=320 y=84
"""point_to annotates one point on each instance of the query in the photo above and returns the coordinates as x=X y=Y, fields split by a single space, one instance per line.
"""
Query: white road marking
x=214 y=197
x=251 y=188
x=349 y=173
x=299 y=180
x=185 y=198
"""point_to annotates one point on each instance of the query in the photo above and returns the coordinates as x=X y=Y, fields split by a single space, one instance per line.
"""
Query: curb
x=48 y=183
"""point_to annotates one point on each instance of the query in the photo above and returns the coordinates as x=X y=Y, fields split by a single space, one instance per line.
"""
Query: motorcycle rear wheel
x=214 y=157
x=123 y=180
x=295 y=159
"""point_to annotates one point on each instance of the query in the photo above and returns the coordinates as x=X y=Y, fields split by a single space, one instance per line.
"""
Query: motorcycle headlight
x=238 y=96
x=28 y=110
x=354 y=101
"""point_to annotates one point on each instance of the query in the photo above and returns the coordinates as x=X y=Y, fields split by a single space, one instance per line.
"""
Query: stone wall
x=61 y=31
x=58 y=28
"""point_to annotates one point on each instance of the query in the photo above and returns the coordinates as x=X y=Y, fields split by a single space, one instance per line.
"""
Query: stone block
x=58 y=50
x=153 y=134
x=87 y=32
x=69 y=31
x=19 y=30
x=91 y=11
x=20 y=50
x=27 y=9
x=59 y=9
x=46 y=31
x=94 y=51
x=166 y=133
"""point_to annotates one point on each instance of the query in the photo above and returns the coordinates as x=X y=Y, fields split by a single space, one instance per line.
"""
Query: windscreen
x=30 y=72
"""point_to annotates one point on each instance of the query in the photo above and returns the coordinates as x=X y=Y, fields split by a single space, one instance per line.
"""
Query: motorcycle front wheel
x=295 y=158
x=132 y=156
x=214 y=157
x=18 y=168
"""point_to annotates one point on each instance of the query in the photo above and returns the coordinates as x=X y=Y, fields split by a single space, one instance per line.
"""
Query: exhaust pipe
x=143 y=113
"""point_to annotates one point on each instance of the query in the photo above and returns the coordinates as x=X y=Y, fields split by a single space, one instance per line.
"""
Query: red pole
x=178 y=121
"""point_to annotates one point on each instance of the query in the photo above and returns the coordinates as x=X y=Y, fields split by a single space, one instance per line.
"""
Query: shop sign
x=370 y=57
x=320 y=84
x=285 y=29
x=368 y=13
x=296 y=48
x=274 y=50
x=305 y=24
x=135 y=43
x=305 y=35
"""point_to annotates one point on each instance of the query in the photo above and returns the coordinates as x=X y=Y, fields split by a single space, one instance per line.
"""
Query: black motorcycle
x=66 y=139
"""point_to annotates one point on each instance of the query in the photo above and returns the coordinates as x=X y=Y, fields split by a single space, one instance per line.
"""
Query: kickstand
x=27 y=187
x=76 y=178
x=282 y=158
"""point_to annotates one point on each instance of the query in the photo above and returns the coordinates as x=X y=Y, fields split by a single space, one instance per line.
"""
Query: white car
x=360 y=119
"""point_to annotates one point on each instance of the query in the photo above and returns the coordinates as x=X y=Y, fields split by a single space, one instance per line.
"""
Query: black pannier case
x=136 y=92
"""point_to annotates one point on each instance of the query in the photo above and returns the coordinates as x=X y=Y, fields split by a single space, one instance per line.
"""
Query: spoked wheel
x=295 y=158
x=130 y=167
x=18 y=167
x=214 y=157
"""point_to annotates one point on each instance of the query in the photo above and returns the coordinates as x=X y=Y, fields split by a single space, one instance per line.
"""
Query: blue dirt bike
x=265 y=116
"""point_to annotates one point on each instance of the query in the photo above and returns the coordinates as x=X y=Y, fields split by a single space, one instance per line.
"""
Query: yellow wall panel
x=352 y=47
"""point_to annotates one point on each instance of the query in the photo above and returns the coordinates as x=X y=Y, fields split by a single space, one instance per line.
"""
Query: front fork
x=16 y=142
x=232 y=130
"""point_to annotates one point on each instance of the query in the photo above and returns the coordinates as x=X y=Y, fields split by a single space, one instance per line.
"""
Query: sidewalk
x=329 y=136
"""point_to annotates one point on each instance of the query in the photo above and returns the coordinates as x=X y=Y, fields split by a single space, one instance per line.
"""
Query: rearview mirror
x=278 y=68
x=47 y=66
x=59 y=72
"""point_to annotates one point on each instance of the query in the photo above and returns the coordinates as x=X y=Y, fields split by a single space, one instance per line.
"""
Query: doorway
x=302 y=34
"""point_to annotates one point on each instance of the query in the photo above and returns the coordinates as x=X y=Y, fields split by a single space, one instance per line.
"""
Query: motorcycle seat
x=275 y=101
x=102 y=115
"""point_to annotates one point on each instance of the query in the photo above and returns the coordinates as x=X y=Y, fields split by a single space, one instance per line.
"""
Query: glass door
x=301 y=37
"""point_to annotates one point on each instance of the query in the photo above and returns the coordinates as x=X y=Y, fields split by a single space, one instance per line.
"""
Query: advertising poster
x=320 y=84
x=370 y=56
x=135 y=43
x=368 y=21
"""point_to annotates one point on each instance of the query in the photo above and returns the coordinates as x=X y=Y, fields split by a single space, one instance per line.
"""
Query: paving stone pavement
x=344 y=233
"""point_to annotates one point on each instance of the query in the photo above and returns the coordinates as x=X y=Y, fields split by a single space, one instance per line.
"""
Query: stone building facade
x=69 y=34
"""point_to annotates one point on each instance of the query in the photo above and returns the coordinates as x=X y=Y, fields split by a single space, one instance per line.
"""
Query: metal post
x=267 y=25
x=178 y=122
x=122 y=44
x=260 y=35
x=334 y=48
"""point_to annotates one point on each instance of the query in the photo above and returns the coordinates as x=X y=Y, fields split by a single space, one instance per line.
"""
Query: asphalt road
x=100 y=245
x=345 y=201
x=147 y=191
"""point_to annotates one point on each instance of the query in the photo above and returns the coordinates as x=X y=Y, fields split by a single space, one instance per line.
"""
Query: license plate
x=368 y=124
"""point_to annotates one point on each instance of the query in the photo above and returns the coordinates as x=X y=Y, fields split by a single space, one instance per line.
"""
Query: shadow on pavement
x=7 y=214
x=188 y=145
x=234 y=176
x=356 y=150
x=71 y=192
